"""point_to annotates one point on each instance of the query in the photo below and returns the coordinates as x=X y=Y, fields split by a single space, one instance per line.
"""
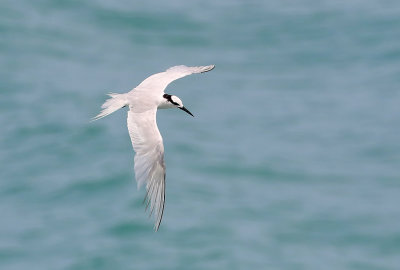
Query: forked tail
x=116 y=102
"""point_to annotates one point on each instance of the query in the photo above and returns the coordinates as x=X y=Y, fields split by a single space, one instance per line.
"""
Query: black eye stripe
x=168 y=97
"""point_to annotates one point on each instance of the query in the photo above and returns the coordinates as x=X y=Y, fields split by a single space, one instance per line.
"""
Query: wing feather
x=157 y=83
x=149 y=160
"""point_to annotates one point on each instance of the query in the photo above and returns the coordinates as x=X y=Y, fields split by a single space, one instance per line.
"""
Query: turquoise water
x=291 y=162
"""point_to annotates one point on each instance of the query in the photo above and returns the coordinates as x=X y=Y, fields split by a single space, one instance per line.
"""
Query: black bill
x=186 y=110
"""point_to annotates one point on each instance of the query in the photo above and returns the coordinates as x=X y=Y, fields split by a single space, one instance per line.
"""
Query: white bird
x=143 y=102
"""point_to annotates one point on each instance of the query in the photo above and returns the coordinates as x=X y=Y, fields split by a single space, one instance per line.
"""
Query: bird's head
x=175 y=102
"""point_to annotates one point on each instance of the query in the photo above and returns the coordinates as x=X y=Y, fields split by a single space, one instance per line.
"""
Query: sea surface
x=292 y=160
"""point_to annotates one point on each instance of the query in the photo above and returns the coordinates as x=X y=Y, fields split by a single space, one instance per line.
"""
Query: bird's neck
x=164 y=104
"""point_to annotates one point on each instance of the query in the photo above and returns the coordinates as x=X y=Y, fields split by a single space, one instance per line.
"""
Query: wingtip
x=97 y=117
x=208 y=68
x=94 y=119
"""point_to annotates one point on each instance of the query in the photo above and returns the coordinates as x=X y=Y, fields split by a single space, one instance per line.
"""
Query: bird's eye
x=173 y=102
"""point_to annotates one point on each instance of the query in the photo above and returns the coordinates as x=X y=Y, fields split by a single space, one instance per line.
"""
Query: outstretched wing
x=159 y=81
x=149 y=159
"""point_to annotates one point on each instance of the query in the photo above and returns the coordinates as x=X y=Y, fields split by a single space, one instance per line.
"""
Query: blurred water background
x=291 y=162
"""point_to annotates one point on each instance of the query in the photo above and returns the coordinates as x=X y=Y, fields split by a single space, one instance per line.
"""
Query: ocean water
x=291 y=162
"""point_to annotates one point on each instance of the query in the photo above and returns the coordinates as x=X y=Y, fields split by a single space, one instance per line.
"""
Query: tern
x=143 y=102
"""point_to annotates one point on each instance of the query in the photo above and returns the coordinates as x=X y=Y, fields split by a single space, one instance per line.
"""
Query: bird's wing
x=149 y=159
x=158 y=82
